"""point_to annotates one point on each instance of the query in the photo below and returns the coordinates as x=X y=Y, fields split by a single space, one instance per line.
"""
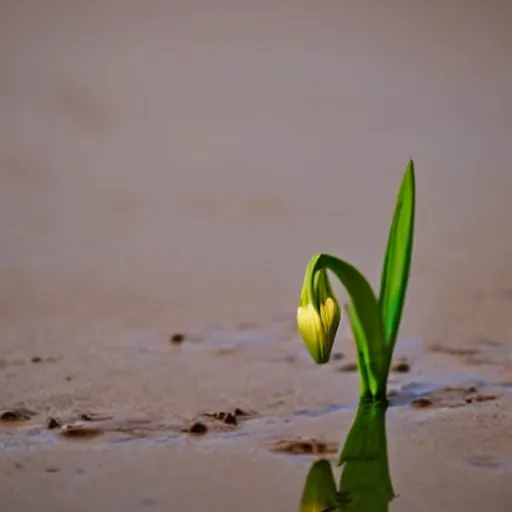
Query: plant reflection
x=365 y=482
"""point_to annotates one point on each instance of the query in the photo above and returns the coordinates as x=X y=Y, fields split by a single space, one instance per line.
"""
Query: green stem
x=366 y=320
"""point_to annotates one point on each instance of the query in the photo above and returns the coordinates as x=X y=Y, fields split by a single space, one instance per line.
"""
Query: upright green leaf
x=397 y=261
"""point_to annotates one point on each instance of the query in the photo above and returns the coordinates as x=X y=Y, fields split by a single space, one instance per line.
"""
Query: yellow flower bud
x=318 y=317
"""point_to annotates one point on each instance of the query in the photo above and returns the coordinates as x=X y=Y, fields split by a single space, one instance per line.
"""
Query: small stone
x=198 y=428
x=177 y=338
x=52 y=423
x=36 y=359
x=401 y=367
x=230 y=419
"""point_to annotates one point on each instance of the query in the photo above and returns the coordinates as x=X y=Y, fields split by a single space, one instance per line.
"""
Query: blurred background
x=178 y=162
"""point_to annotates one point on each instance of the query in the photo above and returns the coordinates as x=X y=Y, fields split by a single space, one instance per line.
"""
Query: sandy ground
x=170 y=167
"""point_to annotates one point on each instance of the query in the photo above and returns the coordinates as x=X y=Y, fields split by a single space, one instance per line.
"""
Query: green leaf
x=363 y=355
x=365 y=317
x=397 y=261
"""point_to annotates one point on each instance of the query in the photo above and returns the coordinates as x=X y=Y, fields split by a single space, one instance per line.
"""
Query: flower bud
x=318 y=316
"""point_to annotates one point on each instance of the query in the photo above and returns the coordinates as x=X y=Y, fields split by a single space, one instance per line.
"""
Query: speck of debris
x=20 y=414
x=80 y=431
x=197 y=428
x=52 y=423
x=230 y=419
x=337 y=356
x=304 y=446
x=177 y=338
x=348 y=367
x=401 y=367
x=36 y=359
x=52 y=470
x=420 y=403
x=480 y=398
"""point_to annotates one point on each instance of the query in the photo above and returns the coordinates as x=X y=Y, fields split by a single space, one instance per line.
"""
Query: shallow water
x=451 y=450
x=170 y=168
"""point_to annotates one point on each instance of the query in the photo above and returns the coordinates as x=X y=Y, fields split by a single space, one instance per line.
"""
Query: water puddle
x=354 y=474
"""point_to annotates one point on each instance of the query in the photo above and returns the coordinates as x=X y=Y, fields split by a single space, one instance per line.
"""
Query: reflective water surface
x=365 y=482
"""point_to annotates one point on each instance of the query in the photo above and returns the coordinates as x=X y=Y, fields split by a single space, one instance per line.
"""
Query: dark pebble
x=230 y=419
x=401 y=367
x=52 y=423
x=198 y=428
x=177 y=338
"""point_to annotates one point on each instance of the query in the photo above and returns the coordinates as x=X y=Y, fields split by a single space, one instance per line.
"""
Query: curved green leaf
x=397 y=261
x=365 y=317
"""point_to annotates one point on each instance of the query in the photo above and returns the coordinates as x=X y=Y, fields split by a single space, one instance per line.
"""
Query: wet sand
x=170 y=168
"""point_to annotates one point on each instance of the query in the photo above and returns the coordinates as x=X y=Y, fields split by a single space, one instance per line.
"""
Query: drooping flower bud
x=318 y=315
